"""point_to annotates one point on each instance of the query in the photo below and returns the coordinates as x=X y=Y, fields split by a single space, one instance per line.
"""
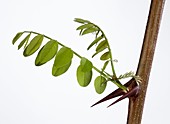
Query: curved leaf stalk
x=75 y=53
x=111 y=58
x=113 y=78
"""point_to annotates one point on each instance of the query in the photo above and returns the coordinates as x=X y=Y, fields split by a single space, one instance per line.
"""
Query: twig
x=136 y=104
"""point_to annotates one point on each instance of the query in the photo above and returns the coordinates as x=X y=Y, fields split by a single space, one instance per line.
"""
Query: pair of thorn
x=132 y=91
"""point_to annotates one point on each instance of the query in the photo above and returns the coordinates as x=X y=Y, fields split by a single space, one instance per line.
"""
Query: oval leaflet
x=86 y=64
x=24 y=40
x=62 y=61
x=100 y=84
x=34 y=45
x=83 y=78
x=105 y=56
x=46 y=53
x=17 y=36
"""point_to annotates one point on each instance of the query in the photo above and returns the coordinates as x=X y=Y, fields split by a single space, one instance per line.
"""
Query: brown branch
x=136 y=104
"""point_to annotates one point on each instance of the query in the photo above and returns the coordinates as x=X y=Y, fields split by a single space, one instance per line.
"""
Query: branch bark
x=136 y=104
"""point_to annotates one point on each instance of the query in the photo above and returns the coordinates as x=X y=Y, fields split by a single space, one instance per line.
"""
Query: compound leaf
x=46 y=53
x=17 y=36
x=62 y=61
x=83 y=78
x=35 y=43
x=100 y=84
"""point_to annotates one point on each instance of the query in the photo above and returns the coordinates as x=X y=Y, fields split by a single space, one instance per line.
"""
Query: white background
x=31 y=95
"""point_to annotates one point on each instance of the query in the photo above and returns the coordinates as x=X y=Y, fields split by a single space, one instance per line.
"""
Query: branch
x=145 y=63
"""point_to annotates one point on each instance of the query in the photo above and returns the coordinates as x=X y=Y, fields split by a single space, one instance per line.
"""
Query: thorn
x=133 y=92
x=114 y=94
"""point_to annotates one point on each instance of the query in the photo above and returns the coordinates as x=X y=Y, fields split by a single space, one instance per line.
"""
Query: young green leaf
x=84 y=26
x=62 y=61
x=17 y=36
x=95 y=42
x=105 y=56
x=104 y=66
x=23 y=41
x=46 y=53
x=83 y=78
x=102 y=46
x=100 y=84
x=86 y=65
x=33 y=46
x=98 y=51
x=81 y=20
x=89 y=30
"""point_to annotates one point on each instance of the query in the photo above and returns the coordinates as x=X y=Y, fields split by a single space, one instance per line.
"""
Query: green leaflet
x=24 y=40
x=89 y=30
x=84 y=72
x=95 y=42
x=81 y=20
x=105 y=56
x=104 y=66
x=62 y=61
x=46 y=53
x=102 y=46
x=100 y=84
x=84 y=26
x=33 y=46
x=83 y=78
x=17 y=36
x=61 y=70
x=86 y=65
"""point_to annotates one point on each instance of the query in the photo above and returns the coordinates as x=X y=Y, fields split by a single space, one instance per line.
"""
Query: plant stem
x=136 y=104
x=75 y=53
